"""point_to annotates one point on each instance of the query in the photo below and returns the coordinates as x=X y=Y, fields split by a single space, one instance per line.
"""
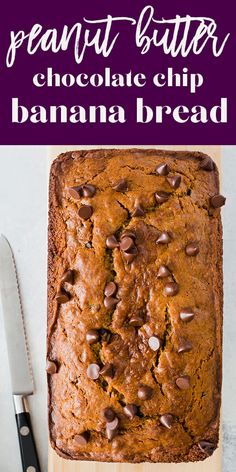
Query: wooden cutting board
x=213 y=464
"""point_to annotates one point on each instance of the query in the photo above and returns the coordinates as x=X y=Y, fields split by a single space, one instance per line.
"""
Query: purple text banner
x=107 y=72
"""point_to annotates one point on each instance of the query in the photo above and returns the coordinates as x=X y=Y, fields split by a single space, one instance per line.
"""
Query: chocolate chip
x=121 y=186
x=137 y=321
x=51 y=367
x=174 y=181
x=82 y=439
x=164 y=238
x=62 y=296
x=130 y=410
x=167 y=420
x=161 y=197
x=108 y=371
x=111 y=433
x=163 y=272
x=85 y=212
x=130 y=256
x=145 y=392
x=93 y=371
x=111 y=425
x=154 y=343
x=110 y=289
x=186 y=314
x=184 y=346
x=88 y=190
x=128 y=233
x=207 y=164
x=171 y=289
x=217 y=201
x=126 y=244
x=68 y=277
x=109 y=414
x=75 y=192
x=111 y=242
x=206 y=447
x=92 y=336
x=138 y=211
x=192 y=249
x=110 y=302
x=183 y=382
x=162 y=169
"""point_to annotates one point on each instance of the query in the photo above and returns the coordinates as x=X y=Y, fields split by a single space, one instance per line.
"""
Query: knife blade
x=21 y=376
x=18 y=355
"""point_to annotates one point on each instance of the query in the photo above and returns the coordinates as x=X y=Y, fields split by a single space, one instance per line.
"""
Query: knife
x=21 y=376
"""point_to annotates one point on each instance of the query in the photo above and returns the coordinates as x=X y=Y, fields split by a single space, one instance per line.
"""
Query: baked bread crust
x=76 y=402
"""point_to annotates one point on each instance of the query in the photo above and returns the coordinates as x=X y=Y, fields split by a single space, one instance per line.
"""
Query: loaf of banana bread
x=134 y=305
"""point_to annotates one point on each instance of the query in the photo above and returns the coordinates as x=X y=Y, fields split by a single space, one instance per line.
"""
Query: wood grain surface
x=213 y=464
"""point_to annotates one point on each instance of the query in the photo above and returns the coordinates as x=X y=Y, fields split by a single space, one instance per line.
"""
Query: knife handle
x=29 y=456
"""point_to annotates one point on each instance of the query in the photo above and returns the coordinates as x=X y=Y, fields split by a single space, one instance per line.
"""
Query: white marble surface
x=23 y=219
x=229 y=369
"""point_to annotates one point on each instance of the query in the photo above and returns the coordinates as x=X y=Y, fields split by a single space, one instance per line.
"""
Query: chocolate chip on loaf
x=108 y=371
x=109 y=414
x=111 y=242
x=207 y=164
x=110 y=289
x=138 y=210
x=110 y=302
x=69 y=277
x=161 y=197
x=207 y=447
x=93 y=371
x=171 y=289
x=192 y=249
x=174 y=181
x=82 y=439
x=154 y=343
x=121 y=186
x=129 y=233
x=184 y=346
x=92 y=336
x=163 y=272
x=51 y=367
x=183 y=382
x=62 y=296
x=186 y=314
x=75 y=192
x=130 y=410
x=113 y=425
x=145 y=392
x=137 y=320
x=167 y=420
x=217 y=201
x=85 y=212
x=126 y=244
x=130 y=255
x=164 y=238
x=111 y=433
x=162 y=169
x=88 y=190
